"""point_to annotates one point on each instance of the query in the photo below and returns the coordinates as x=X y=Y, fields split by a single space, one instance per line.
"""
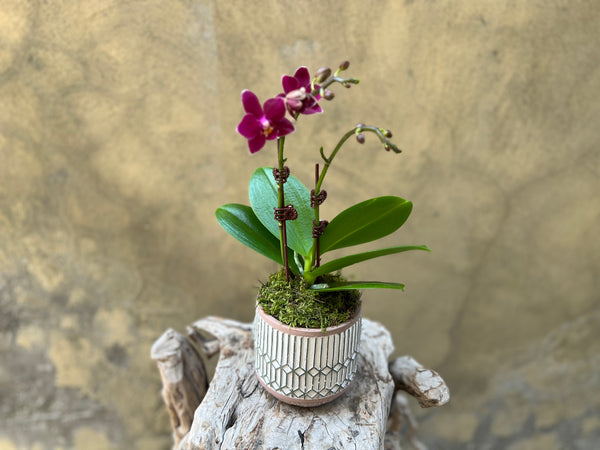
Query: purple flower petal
x=248 y=127
x=274 y=109
x=251 y=103
x=289 y=83
x=303 y=77
x=284 y=126
x=257 y=143
x=313 y=109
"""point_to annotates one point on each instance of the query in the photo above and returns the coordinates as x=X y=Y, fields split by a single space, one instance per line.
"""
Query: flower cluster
x=300 y=96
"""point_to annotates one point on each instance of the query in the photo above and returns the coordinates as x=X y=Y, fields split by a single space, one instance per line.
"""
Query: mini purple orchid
x=270 y=215
x=263 y=123
x=297 y=93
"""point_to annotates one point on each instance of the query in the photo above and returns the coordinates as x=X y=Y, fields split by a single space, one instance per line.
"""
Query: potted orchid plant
x=307 y=323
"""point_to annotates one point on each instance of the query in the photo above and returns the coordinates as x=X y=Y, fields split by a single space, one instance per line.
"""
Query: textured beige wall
x=117 y=143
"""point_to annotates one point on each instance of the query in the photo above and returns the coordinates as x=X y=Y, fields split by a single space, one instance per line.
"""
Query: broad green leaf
x=241 y=222
x=346 y=261
x=351 y=285
x=365 y=222
x=263 y=199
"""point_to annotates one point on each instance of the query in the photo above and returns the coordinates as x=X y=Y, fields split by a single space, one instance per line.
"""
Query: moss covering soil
x=296 y=305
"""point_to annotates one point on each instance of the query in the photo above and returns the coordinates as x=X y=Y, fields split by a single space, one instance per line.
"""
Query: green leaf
x=346 y=261
x=365 y=222
x=241 y=222
x=351 y=285
x=263 y=198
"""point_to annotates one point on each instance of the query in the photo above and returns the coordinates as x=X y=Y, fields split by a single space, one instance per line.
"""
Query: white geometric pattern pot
x=305 y=366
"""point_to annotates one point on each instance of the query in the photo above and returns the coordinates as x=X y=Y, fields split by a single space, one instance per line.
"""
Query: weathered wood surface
x=425 y=385
x=237 y=412
x=183 y=377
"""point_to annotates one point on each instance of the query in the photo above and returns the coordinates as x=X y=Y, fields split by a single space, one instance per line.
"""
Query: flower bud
x=322 y=74
x=360 y=125
x=360 y=138
x=345 y=65
x=387 y=134
x=328 y=95
x=386 y=147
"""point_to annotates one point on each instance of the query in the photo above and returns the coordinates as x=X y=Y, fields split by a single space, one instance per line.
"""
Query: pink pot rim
x=309 y=332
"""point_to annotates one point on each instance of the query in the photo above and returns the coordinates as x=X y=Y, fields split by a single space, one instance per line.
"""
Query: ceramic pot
x=305 y=366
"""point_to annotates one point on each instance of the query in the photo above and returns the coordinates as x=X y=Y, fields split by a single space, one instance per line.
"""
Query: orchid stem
x=316 y=240
x=380 y=132
x=314 y=260
x=281 y=204
x=329 y=159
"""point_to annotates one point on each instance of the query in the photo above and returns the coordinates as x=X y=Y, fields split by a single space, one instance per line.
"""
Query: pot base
x=304 y=402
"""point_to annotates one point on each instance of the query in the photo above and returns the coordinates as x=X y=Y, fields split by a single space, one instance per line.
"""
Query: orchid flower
x=297 y=93
x=262 y=123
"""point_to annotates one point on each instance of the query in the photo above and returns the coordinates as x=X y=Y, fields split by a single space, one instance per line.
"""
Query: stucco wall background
x=117 y=142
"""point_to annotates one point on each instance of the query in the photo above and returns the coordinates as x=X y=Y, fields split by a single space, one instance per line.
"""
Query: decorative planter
x=305 y=366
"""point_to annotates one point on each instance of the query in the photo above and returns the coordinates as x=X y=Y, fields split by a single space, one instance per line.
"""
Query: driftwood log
x=236 y=412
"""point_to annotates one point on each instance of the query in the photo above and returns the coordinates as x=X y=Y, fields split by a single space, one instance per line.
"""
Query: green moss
x=296 y=305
